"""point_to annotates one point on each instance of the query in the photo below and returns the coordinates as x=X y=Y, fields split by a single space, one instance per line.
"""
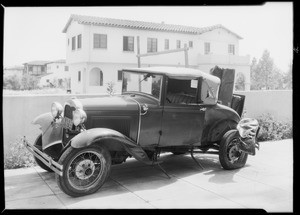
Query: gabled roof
x=176 y=72
x=141 y=25
x=37 y=62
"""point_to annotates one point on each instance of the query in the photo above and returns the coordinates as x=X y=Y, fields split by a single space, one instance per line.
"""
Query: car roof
x=176 y=72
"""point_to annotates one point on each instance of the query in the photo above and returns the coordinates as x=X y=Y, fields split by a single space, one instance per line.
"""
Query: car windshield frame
x=143 y=77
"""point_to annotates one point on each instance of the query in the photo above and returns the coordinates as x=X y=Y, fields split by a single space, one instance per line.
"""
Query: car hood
x=105 y=103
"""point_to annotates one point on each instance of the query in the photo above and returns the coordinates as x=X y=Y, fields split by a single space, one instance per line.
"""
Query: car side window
x=208 y=94
x=181 y=92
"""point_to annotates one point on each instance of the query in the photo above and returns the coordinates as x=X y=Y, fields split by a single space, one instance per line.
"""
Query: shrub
x=29 y=82
x=12 y=83
x=272 y=129
x=17 y=156
x=110 y=88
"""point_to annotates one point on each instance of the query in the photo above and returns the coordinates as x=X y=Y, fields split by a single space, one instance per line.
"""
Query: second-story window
x=178 y=44
x=191 y=44
x=206 y=48
x=73 y=43
x=79 y=41
x=151 y=45
x=166 y=44
x=66 y=68
x=128 y=43
x=100 y=41
x=231 y=49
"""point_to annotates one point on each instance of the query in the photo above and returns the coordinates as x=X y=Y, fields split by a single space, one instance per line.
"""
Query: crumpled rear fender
x=51 y=131
x=95 y=135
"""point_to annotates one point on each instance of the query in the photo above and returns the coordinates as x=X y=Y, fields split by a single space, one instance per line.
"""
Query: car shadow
x=134 y=176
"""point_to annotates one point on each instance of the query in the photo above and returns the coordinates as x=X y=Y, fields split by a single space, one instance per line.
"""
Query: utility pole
x=138 y=52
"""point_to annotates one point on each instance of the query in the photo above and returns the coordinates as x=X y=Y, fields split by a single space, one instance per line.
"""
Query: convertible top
x=177 y=73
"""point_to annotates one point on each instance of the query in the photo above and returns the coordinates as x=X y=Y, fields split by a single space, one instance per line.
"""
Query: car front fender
x=109 y=137
x=51 y=131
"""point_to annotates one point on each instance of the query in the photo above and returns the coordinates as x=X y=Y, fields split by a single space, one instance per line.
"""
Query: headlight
x=56 y=109
x=247 y=127
x=79 y=116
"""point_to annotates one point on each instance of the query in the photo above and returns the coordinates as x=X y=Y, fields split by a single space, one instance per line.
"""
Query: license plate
x=67 y=123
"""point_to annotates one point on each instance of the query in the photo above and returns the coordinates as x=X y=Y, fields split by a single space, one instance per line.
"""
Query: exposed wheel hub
x=85 y=169
x=234 y=153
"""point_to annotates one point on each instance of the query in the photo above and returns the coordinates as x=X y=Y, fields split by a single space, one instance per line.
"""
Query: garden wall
x=19 y=111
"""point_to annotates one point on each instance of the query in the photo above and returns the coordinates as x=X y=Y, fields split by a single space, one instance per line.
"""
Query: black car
x=161 y=109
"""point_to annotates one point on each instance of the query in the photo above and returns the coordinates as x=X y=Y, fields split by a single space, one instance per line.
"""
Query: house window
x=42 y=69
x=73 y=43
x=100 y=41
x=178 y=44
x=128 y=43
x=191 y=44
x=119 y=75
x=206 y=48
x=57 y=67
x=79 y=76
x=30 y=68
x=66 y=68
x=151 y=45
x=166 y=44
x=79 y=41
x=231 y=49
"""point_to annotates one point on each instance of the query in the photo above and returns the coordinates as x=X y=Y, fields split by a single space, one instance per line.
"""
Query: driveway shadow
x=133 y=176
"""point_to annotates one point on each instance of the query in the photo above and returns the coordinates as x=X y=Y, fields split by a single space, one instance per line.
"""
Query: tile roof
x=57 y=61
x=37 y=62
x=141 y=25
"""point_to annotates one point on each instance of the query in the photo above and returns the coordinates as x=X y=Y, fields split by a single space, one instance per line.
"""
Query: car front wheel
x=230 y=156
x=84 y=170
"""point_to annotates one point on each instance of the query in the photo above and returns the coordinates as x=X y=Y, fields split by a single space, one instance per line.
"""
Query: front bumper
x=43 y=157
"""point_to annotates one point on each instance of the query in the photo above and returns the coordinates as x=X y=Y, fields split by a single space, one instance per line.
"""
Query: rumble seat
x=180 y=98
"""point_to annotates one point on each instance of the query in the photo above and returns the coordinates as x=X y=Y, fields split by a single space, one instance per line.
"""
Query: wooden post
x=138 y=52
x=186 y=57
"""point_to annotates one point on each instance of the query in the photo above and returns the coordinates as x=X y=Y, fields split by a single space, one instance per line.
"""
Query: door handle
x=144 y=109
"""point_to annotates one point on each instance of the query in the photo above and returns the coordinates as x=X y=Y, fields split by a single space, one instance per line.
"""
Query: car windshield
x=142 y=82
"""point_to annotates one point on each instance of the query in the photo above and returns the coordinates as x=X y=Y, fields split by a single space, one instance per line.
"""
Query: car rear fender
x=111 y=139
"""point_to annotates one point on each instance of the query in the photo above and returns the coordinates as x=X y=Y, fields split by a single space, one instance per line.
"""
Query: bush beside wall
x=271 y=129
x=17 y=156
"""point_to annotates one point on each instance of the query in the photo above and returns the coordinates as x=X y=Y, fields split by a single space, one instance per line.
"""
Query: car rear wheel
x=38 y=144
x=84 y=170
x=230 y=156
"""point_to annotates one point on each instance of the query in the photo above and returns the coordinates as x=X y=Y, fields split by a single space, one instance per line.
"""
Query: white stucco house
x=57 y=75
x=97 y=48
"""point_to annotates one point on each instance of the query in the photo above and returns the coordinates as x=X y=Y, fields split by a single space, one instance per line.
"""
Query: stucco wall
x=19 y=111
x=276 y=102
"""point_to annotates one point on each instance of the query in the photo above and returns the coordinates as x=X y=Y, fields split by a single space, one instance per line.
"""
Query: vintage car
x=161 y=109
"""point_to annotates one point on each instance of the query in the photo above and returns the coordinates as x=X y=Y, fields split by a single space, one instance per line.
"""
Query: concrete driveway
x=265 y=182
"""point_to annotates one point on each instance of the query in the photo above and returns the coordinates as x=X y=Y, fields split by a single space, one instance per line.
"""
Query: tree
x=265 y=74
x=11 y=83
x=288 y=78
x=240 y=82
x=29 y=82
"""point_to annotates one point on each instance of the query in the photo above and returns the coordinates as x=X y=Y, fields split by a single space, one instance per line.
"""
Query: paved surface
x=265 y=182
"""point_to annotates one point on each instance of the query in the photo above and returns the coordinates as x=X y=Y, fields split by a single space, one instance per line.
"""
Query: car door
x=182 y=124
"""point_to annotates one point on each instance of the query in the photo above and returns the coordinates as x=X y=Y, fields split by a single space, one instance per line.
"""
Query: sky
x=35 y=33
